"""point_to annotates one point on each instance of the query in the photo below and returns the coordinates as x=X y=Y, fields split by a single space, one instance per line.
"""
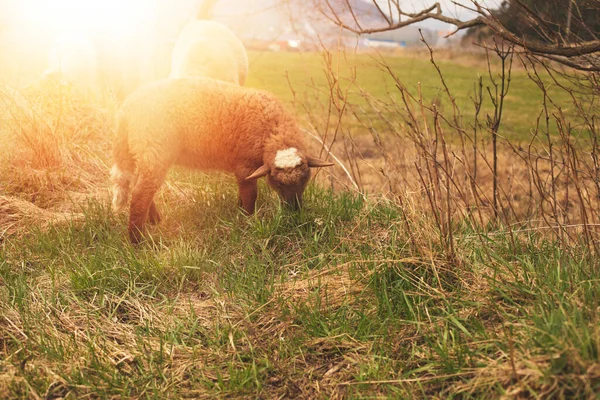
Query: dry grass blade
x=17 y=216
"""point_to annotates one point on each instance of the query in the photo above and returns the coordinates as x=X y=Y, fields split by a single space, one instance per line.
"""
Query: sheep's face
x=288 y=174
x=290 y=183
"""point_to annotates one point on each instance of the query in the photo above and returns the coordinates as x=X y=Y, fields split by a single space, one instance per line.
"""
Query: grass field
x=353 y=297
x=306 y=73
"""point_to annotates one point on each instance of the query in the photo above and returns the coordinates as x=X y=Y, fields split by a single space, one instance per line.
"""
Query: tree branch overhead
x=541 y=29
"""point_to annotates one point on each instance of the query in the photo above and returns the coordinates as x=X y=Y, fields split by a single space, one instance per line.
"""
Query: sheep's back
x=199 y=123
x=209 y=49
x=204 y=58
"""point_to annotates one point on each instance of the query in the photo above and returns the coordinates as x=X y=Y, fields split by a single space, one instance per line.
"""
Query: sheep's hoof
x=135 y=235
x=247 y=211
x=153 y=214
x=154 y=218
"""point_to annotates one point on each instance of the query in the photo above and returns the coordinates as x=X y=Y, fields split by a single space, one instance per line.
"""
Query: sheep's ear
x=315 y=163
x=261 y=171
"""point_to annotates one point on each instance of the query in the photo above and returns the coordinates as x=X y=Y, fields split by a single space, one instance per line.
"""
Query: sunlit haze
x=130 y=34
x=93 y=17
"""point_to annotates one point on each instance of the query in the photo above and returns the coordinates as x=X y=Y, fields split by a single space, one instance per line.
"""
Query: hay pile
x=16 y=215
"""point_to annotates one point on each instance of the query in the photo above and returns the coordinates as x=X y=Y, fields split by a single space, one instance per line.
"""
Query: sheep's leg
x=153 y=214
x=142 y=200
x=247 y=195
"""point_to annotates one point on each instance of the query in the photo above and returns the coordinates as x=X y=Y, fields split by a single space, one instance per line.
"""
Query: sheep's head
x=288 y=173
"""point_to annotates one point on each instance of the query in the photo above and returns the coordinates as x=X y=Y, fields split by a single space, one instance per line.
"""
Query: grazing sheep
x=205 y=124
x=72 y=60
x=209 y=49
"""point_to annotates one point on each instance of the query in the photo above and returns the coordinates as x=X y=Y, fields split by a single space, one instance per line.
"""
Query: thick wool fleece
x=202 y=124
x=209 y=49
x=205 y=124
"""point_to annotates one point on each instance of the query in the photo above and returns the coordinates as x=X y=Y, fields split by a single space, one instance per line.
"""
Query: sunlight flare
x=113 y=18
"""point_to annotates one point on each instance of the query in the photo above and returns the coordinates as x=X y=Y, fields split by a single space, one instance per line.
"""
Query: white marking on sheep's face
x=287 y=158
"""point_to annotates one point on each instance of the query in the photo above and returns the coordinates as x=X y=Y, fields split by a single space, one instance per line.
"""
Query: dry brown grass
x=327 y=288
x=16 y=216
x=389 y=169
x=54 y=153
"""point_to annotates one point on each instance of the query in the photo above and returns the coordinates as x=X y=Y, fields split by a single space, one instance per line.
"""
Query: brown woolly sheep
x=205 y=124
x=209 y=49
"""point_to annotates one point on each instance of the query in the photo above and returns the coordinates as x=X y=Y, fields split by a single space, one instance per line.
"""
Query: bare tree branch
x=414 y=17
x=389 y=19
x=578 y=54
x=352 y=12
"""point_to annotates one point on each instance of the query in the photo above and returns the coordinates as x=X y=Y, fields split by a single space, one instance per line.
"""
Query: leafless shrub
x=439 y=156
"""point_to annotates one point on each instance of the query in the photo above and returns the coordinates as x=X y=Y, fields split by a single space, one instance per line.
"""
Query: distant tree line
x=547 y=21
x=565 y=31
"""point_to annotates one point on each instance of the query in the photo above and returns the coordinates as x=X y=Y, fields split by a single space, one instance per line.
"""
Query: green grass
x=332 y=301
x=349 y=298
x=305 y=72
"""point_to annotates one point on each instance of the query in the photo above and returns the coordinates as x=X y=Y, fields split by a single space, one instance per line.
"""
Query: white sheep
x=209 y=49
x=205 y=124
